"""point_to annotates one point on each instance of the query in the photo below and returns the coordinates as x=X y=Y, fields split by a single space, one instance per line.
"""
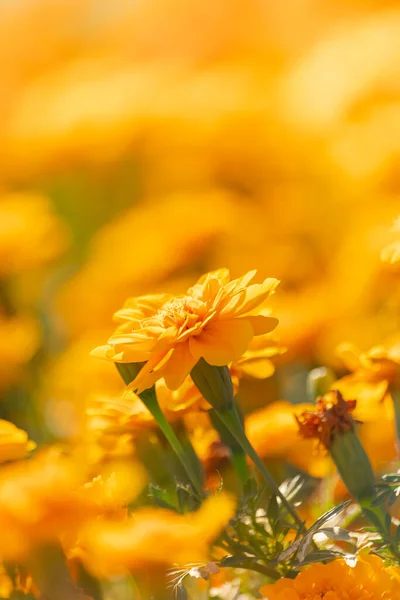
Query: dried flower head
x=332 y=416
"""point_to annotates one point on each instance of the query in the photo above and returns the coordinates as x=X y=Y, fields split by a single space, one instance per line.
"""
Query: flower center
x=184 y=311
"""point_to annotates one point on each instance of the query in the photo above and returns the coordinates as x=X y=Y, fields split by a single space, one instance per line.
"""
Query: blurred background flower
x=144 y=143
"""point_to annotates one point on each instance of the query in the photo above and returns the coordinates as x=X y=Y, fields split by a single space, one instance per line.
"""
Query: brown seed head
x=332 y=416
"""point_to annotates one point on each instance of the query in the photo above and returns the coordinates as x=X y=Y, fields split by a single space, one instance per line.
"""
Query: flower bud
x=319 y=382
x=214 y=383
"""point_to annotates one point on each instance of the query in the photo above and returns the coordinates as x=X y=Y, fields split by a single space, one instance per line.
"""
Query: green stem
x=169 y=433
x=240 y=466
x=237 y=453
x=50 y=573
x=128 y=373
x=231 y=420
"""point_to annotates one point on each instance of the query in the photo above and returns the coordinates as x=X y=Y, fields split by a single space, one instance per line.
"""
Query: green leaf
x=233 y=560
x=162 y=497
x=316 y=557
x=337 y=534
x=329 y=515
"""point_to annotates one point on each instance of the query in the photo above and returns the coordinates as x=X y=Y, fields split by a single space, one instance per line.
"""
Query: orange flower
x=370 y=579
x=14 y=442
x=30 y=233
x=273 y=432
x=156 y=538
x=216 y=320
x=48 y=498
x=38 y=501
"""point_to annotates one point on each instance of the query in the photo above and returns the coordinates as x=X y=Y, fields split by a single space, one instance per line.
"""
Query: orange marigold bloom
x=370 y=579
x=14 y=442
x=216 y=320
x=156 y=538
x=39 y=500
x=30 y=233
x=274 y=433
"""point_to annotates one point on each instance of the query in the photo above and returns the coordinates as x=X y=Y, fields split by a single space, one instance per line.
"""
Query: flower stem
x=50 y=573
x=232 y=421
x=128 y=372
x=169 y=433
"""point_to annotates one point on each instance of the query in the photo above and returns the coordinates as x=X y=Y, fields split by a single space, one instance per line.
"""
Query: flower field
x=199 y=300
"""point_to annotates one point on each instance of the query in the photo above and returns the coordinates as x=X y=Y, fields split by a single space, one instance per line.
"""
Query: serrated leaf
x=292 y=487
x=304 y=547
x=392 y=478
x=316 y=557
x=161 y=497
x=290 y=551
x=233 y=560
x=330 y=514
x=337 y=534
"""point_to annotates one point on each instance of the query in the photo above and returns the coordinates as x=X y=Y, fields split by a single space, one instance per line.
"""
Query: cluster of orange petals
x=216 y=320
x=369 y=579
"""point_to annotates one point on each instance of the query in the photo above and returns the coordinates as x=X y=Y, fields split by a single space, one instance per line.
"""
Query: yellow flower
x=273 y=432
x=14 y=442
x=216 y=320
x=156 y=538
x=372 y=374
x=370 y=579
x=30 y=233
x=19 y=340
x=39 y=500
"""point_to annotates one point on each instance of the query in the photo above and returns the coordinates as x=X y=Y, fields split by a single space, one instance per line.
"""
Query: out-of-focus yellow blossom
x=391 y=253
x=39 y=500
x=31 y=234
x=216 y=320
x=372 y=374
x=72 y=381
x=19 y=339
x=155 y=539
x=370 y=579
x=273 y=432
x=171 y=234
x=14 y=442
x=48 y=498
x=372 y=371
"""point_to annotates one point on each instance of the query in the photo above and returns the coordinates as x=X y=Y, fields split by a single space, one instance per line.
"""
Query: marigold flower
x=370 y=579
x=39 y=500
x=274 y=434
x=14 y=442
x=19 y=339
x=215 y=320
x=30 y=233
x=156 y=538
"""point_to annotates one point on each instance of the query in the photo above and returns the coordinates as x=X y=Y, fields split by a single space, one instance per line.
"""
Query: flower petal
x=179 y=365
x=262 y=324
x=222 y=341
x=254 y=296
